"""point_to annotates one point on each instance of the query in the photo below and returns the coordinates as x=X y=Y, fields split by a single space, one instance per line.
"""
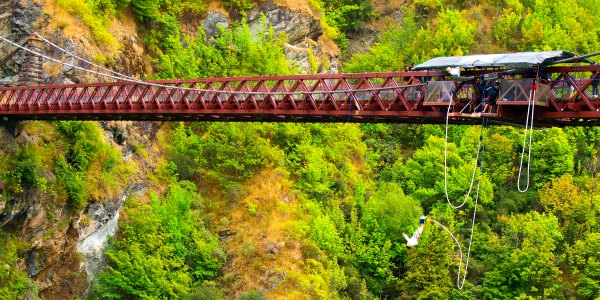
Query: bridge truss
x=395 y=97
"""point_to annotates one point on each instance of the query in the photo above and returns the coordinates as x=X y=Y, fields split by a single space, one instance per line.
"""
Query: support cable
x=136 y=81
x=120 y=75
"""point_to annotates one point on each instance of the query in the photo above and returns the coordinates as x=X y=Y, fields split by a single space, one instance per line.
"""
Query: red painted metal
x=367 y=97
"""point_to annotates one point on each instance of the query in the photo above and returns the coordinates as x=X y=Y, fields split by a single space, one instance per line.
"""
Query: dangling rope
x=484 y=123
x=460 y=284
x=446 y=162
x=528 y=125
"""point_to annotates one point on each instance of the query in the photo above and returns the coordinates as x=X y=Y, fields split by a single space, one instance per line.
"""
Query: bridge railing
x=439 y=91
x=520 y=90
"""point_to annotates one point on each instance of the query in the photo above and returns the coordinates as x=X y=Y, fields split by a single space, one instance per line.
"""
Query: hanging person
x=414 y=240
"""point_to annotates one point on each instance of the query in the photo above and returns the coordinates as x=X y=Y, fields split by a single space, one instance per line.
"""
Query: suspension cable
x=136 y=81
x=446 y=162
x=121 y=75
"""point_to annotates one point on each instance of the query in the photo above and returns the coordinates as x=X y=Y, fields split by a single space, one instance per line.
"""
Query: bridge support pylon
x=31 y=71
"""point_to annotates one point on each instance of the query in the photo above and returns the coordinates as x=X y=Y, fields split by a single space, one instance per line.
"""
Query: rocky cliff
x=62 y=249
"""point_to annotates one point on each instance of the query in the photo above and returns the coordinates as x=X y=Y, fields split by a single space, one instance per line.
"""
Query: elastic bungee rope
x=528 y=125
x=446 y=163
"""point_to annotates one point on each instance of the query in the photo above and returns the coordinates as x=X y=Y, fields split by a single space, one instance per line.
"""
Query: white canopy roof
x=512 y=60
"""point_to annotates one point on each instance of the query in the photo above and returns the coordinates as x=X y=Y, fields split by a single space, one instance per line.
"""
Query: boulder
x=296 y=25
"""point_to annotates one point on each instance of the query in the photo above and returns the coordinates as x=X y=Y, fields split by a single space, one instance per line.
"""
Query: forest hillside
x=223 y=210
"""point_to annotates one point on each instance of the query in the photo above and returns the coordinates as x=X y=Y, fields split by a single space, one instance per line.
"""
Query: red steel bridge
x=397 y=97
x=393 y=97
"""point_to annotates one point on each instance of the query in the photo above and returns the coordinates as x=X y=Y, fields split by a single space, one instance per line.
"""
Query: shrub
x=253 y=295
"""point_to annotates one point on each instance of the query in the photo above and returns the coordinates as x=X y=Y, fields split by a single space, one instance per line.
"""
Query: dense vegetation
x=354 y=188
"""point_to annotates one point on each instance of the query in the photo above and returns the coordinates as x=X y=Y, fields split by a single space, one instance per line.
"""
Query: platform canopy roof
x=507 y=60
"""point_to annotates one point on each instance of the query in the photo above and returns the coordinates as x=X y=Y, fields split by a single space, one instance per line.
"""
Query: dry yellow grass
x=261 y=249
x=60 y=19
x=328 y=46
x=296 y=5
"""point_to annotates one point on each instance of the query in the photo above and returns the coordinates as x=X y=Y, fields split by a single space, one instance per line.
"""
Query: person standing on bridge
x=492 y=93
x=414 y=240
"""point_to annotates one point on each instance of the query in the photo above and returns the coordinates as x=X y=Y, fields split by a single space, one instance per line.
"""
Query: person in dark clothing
x=545 y=77
x=480 y=88
x=492 y=96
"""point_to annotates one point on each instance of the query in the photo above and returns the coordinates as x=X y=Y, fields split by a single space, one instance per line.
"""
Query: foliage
x=428 y=275
x=205 y=292
x=253 y=295
x=14 y=283
x=573 y=207
x=347 y=15
x=95 y=15
x=25 y=169
x=163 y=249
x=224 y=152
x=451 y=33
x=584 y=257
x=89 y=163
x=552 y=25
x=551 y=156
x=527 y=264
x=235 y=52
x=238 y=5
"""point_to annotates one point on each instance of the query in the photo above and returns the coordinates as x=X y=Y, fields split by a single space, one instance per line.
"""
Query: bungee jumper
x=414 y=240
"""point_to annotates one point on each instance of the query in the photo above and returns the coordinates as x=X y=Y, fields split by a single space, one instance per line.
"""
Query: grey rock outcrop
x=296 y=25
x=211 y=23
x=17 y=19
x=305 y=46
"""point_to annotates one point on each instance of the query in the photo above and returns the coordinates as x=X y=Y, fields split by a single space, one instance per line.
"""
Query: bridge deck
x=395 y=97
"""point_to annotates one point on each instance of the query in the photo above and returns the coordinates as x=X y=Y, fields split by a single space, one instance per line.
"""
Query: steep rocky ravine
x=63 y=251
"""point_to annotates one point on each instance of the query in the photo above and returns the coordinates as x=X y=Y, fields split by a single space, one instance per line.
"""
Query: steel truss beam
x=395 y=97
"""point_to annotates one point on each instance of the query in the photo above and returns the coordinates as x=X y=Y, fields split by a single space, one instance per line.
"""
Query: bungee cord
x=460 y=284
x=446 y=163
x=480 y=151
x=528 y=126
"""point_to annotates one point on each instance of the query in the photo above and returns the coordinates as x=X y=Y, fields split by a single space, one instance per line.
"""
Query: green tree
x=551 y=156
x=235 y=52
x=584 y=259
x=528 y=265
x=574 y=208
x=14 y=283
x=163 y=250
x=428 y=266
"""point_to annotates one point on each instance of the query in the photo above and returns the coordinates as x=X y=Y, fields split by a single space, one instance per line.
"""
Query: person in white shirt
x=414 y=240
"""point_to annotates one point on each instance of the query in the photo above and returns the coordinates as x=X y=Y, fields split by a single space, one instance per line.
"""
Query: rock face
x=307 y=46
x=51 y=258
x=17 y=19
x=297 y=26
x=211 y=23
x=95 y=226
